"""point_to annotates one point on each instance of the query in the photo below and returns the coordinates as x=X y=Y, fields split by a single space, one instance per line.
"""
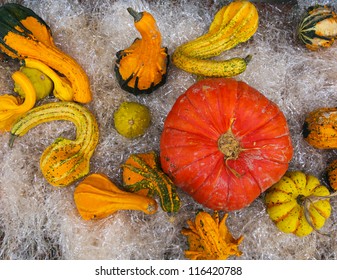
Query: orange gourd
x=97 y=197
x=142 y=67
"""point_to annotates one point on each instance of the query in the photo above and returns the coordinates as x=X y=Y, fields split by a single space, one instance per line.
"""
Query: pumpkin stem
x=137 y=16
x=230 y=147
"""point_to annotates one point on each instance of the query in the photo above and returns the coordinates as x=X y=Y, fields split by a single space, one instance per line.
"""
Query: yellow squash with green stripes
x=64 y=161
x=233 y=24
x=142 y=173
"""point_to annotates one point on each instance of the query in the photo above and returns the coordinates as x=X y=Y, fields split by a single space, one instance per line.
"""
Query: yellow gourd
x=12 y=107
x=233 y=24
x=23 y=34
x=64 y=161
x=97 y=197
x=298 y=203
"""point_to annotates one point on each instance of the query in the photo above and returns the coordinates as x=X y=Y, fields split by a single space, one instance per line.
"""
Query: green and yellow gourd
x=233 y=24
x=23 y=34
x=64 y=161
x=318 y=27
x=142 y=173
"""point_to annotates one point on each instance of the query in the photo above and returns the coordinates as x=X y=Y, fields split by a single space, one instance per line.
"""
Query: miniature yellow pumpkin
x=298 y=203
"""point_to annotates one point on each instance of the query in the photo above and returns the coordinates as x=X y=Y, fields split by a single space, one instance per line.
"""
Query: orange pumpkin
x=224 y=143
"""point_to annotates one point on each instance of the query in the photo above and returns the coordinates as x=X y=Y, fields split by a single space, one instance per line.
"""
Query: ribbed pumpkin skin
x=189 y=151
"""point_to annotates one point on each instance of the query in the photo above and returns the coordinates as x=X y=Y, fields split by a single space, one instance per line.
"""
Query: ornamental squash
x=224 y=143
x=12 y=107
x=23 y=34
x=331 y=173
x=64 y=161
x=142 y=173
x=233 y=24
x=142 y=67
x=318 y=27
x=298 y=203
x=320 y=128
x=210 y=239
x=96 y=197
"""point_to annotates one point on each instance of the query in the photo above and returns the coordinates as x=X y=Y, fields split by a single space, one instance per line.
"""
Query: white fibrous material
x=39 y=221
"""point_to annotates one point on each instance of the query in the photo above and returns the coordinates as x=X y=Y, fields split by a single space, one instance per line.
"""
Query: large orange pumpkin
x=224 y=143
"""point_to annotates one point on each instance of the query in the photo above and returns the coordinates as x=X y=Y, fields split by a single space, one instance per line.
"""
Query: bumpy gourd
x=23 y=34
x=318 y=27
x=233 y=24
x=97 y=197
x=142 y=172
x=142 y=67
x=298 y=203
x=64 y=161
x=12 y=107
x=331 y=173
x=320 y=128
x=210 y=239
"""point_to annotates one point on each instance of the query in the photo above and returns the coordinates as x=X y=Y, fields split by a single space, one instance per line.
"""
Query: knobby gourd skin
x=142 y=68
x=233 y=24
x=97 y=197
x=318 y=27
x=209 y=238
x=320 y=128
x=331 y=173
x=298 y=203
x=64 y=161
x=23 y=34
x=142 y=172
x=224 y=143
x=11 y=107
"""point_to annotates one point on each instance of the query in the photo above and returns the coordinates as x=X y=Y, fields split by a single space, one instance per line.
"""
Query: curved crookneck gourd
x=11 y=107
x=64 y=161
x=23 y=34
x=142 y=67
x=233 y=24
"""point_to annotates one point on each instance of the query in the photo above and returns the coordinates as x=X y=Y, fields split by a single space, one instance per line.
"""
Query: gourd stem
x=306 y=201
x=137 y=16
